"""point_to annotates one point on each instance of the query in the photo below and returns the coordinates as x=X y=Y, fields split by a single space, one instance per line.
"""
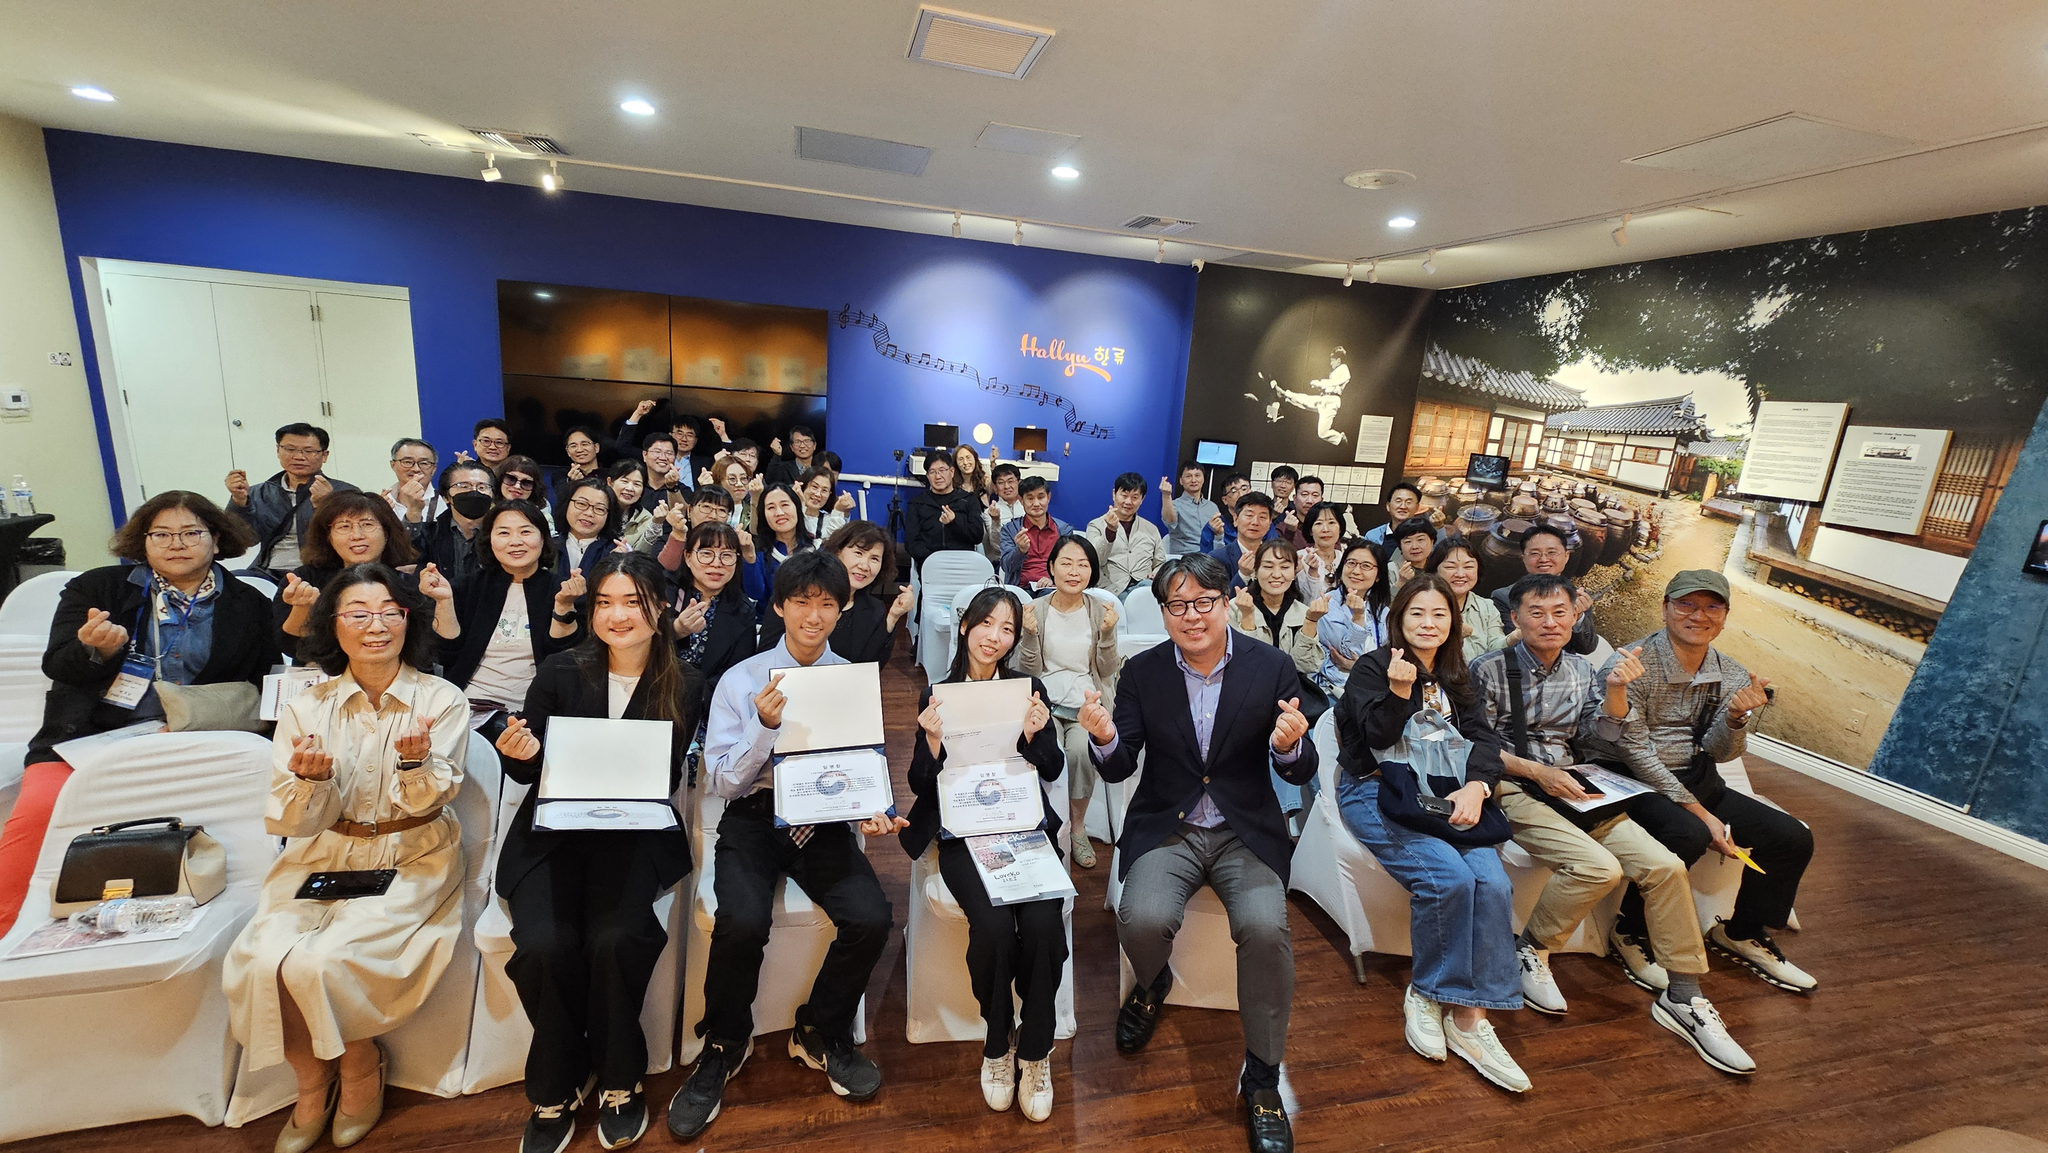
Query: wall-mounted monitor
x=1216 y=452
x=1027 y=439
x=1487 y=471
x=942 y=435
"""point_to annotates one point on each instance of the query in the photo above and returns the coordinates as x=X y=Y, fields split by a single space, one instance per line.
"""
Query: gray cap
x=1697 y=580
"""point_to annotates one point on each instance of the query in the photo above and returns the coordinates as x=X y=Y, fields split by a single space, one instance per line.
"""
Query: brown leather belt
x=349 y=828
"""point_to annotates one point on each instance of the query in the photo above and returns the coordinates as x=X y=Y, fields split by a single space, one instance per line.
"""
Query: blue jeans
x=1461 y=907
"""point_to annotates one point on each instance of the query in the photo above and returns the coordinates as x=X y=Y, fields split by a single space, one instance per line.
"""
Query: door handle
x=236 y=423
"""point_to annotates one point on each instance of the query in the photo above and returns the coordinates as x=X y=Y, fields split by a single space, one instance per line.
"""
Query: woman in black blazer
x=176 y=541
x=1020 y=946
x=584 y=935
x=589 y=516
x=714 y=618
x=513 y=614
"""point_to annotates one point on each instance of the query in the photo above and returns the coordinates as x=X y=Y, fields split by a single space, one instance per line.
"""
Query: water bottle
x=135 y=914
x=21 y=501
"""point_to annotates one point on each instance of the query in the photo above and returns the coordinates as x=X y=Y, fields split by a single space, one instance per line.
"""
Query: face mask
x=470 y=505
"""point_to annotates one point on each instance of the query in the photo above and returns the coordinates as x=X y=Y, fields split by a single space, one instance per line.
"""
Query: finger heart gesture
x=415 y=745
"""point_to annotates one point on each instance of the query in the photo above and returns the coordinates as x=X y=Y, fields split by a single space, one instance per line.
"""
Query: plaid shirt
x=1668 y=700
x=1562 y=703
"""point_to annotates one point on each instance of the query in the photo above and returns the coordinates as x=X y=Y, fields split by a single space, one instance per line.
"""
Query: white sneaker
x=1702 y=1028
x=1761 y=957
x=1634 y=954
x=1034 y=1088
x=1539 y=988
x=1424 y=1024
x=999 y=1081
x=1483 y=1050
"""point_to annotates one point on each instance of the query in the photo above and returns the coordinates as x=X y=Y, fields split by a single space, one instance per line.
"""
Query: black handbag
x=1401 y=803
x=154 y=857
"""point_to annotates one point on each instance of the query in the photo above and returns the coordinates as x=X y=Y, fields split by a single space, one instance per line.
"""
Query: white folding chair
x=260 y=583
x=1140 y=623
x=130 y=1032
x=944 y=575
x=1204 y=957
x=938 y=990
x=429 y=1051
x=30 y=608
x=799 y=935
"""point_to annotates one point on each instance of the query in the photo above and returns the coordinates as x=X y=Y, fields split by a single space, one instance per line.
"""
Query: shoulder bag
x=1429 y=761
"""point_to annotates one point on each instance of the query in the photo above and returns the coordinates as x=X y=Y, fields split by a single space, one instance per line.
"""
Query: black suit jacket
x=477 y=605
x=563 y=687
x=1152 y=714
x=243 y=649
x=1043 y=751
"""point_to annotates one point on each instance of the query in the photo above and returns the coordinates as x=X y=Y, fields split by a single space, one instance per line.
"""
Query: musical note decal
x=849 y=316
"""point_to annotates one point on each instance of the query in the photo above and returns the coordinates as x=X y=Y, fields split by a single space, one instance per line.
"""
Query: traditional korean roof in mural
x=1521 y=388
x=1717 y=449
x=1671 y=416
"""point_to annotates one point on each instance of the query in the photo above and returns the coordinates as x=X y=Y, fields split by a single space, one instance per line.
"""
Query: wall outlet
x=60 y=360
x=1856 y=719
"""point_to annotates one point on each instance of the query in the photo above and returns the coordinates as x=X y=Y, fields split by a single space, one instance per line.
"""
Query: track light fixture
x=1621 y=234
x=1347 y=276
x=1199 y=263
x=1018 y=236
x=1429 y=263
x=491 y=174
x=552 y=178
x=1160 y=258
x=1372 y=272
x=956 y=226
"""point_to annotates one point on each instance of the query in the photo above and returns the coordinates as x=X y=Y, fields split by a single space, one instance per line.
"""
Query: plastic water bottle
x=135 y=914
x=20 y=500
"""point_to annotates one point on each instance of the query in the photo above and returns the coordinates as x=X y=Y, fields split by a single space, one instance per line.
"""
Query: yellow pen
x=1742 y=854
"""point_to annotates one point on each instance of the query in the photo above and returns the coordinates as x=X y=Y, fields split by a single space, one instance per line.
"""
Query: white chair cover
x=1140 y=625
x=428 y=1052
x=944 y=574
x=30 y=608
x=1204 y=958
x=260 y=583
x=128 y=1032
x=22 y=689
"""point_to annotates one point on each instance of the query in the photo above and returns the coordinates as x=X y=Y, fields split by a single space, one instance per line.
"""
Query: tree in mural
x=1887 y=320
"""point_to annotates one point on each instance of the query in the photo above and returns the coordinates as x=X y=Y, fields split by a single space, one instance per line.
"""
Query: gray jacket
x=272 y=507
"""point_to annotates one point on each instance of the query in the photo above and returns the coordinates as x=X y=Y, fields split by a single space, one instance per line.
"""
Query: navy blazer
x=1152 y=717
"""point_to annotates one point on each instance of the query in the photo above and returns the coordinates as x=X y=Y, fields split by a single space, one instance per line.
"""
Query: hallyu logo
x=1057 y=350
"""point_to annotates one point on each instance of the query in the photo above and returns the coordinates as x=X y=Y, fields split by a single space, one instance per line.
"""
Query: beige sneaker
x=1483 y=1050
x=999 y=1081
x=1423 y=1024
x=1034 y=1088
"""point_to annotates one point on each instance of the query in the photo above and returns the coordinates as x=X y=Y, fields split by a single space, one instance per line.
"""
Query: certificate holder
x=605 y=774
x=986 y=787
x=829 y=761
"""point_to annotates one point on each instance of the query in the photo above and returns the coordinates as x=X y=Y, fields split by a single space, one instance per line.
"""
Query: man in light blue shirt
x=754 y=854
x=1402 y=501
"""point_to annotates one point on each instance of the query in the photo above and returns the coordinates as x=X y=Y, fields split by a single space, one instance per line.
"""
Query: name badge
x=131 y=685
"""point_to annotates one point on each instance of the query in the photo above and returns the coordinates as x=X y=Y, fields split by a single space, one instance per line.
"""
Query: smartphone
x=341 y=886
x=1437 y=805
x=1586 y=783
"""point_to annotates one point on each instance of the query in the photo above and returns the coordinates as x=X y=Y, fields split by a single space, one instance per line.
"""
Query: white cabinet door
x=269 y=368
x=167 y=366
x=372 y=393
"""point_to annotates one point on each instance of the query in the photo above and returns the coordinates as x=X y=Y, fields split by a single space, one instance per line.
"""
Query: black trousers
x=1021 y=947
x=1780 y=842
x=584 y=943
x=752 y=855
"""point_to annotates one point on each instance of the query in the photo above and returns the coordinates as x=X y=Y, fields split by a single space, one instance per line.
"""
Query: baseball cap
x=1697 y=580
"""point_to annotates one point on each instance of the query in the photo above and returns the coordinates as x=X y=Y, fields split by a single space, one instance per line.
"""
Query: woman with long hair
x=590 y=527
x=866 y=632
x=714 y=617
x=584 y=935
x=781 y=534
x=1355 y=614
x=1271 y=608
x=1324 y=532
x=639 y=529
x=515 y=613
x=349 y=528
x=1461 y=907
x=1070 y=644
x=1456 y=559
x=973 y=473
x=1014 y=952
x=365 y=767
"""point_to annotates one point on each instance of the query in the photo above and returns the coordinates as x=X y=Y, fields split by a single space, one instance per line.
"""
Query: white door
x=372 y=393
x=269 y=368
x=167 y=366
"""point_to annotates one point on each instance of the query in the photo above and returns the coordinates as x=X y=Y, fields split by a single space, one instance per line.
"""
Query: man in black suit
x=1216 y=709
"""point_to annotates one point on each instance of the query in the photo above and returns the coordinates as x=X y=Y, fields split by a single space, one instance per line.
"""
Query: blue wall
x=450 y=240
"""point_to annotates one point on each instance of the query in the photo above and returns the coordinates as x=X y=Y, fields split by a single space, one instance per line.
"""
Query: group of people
x=493 y=595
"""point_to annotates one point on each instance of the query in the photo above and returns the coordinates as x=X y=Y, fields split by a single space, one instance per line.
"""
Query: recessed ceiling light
x=1401 y=222
x=87 y=92
x=1066 y=172
x=1374 y=179
x=637 y=107
x=543 y=294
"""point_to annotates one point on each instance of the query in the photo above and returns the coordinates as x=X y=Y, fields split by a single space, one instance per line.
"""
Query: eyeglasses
x=483 y=486
x=721 y=556
x=300 y=453
x=167 y=539
x=355 y=527
x=493 y=442
x=413 y=464
x=1359 y=565
x=1201 y=605
x=359 y=619
x=1710 y=611
x=515 y=481
x=589 y=506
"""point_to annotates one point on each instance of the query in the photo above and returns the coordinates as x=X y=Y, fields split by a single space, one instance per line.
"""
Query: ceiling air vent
x=1158 y=225
x=862 y=151
x=1040 y=142
x=976 y=43
x=520 y=141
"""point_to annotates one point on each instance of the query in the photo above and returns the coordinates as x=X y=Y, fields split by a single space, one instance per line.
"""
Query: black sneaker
x=849 y=1071
x=696 y=1104
x=621 y=1117
x=551 y=1127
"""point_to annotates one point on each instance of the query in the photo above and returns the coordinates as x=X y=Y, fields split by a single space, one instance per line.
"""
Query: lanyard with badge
x=138 y=672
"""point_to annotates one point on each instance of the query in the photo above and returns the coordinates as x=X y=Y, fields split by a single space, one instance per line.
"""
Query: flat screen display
x=1220 y=452
x=942 y=435
x=1487 y=471
x=1027 y=439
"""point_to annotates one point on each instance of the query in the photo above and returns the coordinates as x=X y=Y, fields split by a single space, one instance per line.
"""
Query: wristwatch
x=408 y=766
x=567 y=618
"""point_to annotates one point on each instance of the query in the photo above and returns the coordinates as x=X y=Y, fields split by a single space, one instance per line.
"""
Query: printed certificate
x=994 y=797
x=844 y=785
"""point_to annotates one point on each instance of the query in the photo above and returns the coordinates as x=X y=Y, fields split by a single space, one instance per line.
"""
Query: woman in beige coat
x=365 y=765
x=1070 y=645
x=1272 y=609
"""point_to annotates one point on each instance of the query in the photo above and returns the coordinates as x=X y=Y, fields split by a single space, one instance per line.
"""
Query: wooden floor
x=1933 y=1012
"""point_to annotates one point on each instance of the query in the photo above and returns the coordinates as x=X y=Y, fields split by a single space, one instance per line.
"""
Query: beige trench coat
x=355 y=968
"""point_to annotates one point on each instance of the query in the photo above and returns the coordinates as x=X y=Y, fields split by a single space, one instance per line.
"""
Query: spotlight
x=1347 y=276
x=552 y=178
x=88 y=92
x=636 y=107
x=1199 y=263
x=491 y=174
x=1621 y=234
x=1018 y=237
x=1401 y=222
x=1066 y=172
x=1372 y=272
x=1429 y=262
x=1160 y=258
x=956 y=226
